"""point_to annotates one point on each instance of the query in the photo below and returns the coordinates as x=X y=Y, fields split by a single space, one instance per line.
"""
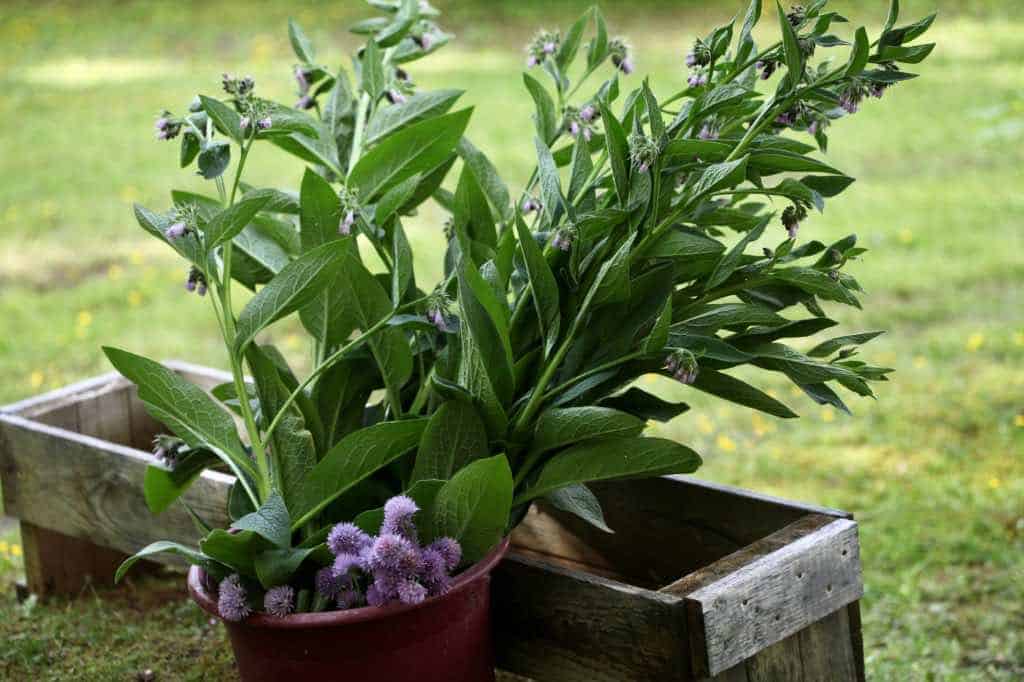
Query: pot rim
x=363 y=614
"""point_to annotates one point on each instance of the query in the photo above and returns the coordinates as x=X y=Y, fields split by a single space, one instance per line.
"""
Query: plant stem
x=591 y=372
x=357 y=135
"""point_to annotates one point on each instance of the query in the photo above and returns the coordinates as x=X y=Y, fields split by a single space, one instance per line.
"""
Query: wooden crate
x=701 y=581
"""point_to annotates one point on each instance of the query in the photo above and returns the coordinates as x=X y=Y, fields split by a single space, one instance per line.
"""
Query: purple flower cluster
x=643 y=152
x=196 y=281
x=392 y=566
x=766 y=67
x=791 y=218
x=563 y=239
x=543 y=45
x=438 y=312
x=167 y=126
x=232 y=603
x=621 y=55
x=349 y=199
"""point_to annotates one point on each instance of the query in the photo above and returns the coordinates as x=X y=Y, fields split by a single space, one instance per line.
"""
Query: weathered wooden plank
x=58 y=564
x=826 y=649
x=857 y=640
x=91 y=489
x=780 y=662
x=737 y=673
x=705 y=522
x=553 y=623
x=771 y=590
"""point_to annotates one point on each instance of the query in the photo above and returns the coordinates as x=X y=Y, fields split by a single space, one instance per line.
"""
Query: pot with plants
x=374 y=495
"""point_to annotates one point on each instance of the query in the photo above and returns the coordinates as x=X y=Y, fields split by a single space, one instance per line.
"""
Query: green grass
x=933 y=469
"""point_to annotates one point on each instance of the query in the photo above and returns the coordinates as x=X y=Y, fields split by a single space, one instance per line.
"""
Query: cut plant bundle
x=455 y=406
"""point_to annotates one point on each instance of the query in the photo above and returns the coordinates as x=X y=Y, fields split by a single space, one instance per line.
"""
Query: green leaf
x=454 y=437
x=614 y=458
x=270 y=521
x=402 y=264
x=832 y=345
x=739 y=392
x=612 y=282
x=161 y=487
x=618 y=153
x=684 y=244
x=642 y=404
x=545 y=119
x=731 y=260
x=229 y=222
x=658 y=337
x=859 y=55
x=487 y=178
x=598 y=50
x=297 y=284
x=719 y=176
x=372 y=71
x=224 y=118
x=394 y=199
x=653 y=112
x=558 y=427
x=769 y=162
x=353 y=459
x=473 y=507
x=790 y=49
x=190 y=555
x=276 y=566
x=214 y=158
x=543 y=287
x=892 y=16
x=237 y=550
x=420 y=106
x=183 y=407
x=550 y=185
x=818 y=283
x=417 y=148
x=571 y=42
x=300 y=43
x=486 y=319
x=578 y=500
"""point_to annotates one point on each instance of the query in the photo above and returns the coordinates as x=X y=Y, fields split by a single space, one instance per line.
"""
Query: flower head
x=398 y=513
x=279 y=601
x=264 y=123
x=395 y=96
x=237 y=86
x=766 y=67
x=709 y=131
x=231 y=599
x=301 y=80
x=791 y=218
x=410 y=592
x=697 y=79
x=167 y=126
x=393 y=556
x=851 y=97
x=167 y=449
x=449 y=549
x=543 y=45
x=329 y=584
x=196 y=281
x=424 y=41
x=564 y=238
x=699 y=55
x=589 y=113
x=347 y=538
x=530 y=204
x=621 y=55
x=643 y=151
x=438 y=312
x=683 y=366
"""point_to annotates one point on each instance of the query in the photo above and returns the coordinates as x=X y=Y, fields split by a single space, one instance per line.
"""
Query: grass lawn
x=934 y=470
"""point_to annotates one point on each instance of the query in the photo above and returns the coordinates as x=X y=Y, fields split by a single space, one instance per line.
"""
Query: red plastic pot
x=444 y=639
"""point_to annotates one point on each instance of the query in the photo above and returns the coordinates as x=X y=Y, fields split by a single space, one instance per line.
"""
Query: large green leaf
x=417 y=148
x=550 y=185
x=354 y=458
x=739 y=392
x=618 y=153
x=487 y=178
x=295 y=286
x=558 y=427
x=229 y=222
x=486 y=319
x=161 y=487
x=473 y=507
x=184 y=407
x=191 y=555
x=417 y=107
x=578 y=500
x=611 y=459
x=454 y=436
x=270 y=521
x=545 y=119
x=543 y=286
x=642 y=404
x=790 y=49
x=731 y=260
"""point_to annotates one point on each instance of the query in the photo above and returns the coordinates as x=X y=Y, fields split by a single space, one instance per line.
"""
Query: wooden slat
x=555 y=624
x=705 y=522
x=91 y=489
x=826 y=649
x=58 y=564
x=780 y=662
x=770 y=590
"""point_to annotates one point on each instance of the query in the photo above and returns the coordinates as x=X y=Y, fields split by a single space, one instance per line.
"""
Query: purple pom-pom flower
x=450 y=550
x=231 y=599
x=393 y=556
x=347 y=538
x=411 y=592
x=398 y=513
x=279 y=601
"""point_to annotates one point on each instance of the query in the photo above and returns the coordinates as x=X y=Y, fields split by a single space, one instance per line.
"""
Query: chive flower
x=279 y=601
x=231 y=599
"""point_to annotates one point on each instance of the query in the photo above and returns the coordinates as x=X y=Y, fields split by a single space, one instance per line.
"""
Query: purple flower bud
x=642 y=167
x=450 y=549
x=436 y=317
x=393 y=555
x=379 y=593
x=279 y=601
x=877 y=90
x=708 y=132
x=244 y=122
x=345 y=226
x=530 y=205
x=574 y=128
x=691 y=59
x=531 y=61
x=411 y=592
x=347 y=538
x=162 y=123
x=548 y=47
x=231 y=601
x=791 y=230
x=190 y=285
x=305 y=102
x=424 y=41
x=625 y=65
x=300 y=78
x=176 y=231
x=264 y=123
x=394 y=96
x=588 y=134
x=588 y=113
x=401 y=74
x=398 y=513
x=813 y=128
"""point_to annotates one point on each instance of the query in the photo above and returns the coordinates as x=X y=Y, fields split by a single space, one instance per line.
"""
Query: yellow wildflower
x=975 y=341
x=725 y=443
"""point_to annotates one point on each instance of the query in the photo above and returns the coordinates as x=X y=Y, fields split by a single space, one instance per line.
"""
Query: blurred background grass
x=933 y=469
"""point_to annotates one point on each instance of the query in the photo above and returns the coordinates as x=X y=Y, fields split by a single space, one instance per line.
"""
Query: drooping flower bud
x=564 y=239
x=643 y=152
x=796 y=15
x=697 y=79
x=167 y=126
x=264 y=123
x=709 y=131
x=543 y=45
x=244 y=123
x=621 y=55
x=699 y=55
x=167 y=449
x=349 y=199
x=395 y=96
x=347 y=221
x=301 y=80
x=196 y=281
x=682 y=364
x=791 y=218
x=176 y=230
x=766 y=67
x=438 y=310
x=851 y=97
x=424 y=41
x=530 y=205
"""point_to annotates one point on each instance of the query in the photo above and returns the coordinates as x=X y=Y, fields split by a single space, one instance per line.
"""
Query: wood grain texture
x=771 y=590
x=56 y=564
x=553 y=623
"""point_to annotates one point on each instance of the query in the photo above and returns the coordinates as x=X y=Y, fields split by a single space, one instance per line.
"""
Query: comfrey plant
x=433 y=418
